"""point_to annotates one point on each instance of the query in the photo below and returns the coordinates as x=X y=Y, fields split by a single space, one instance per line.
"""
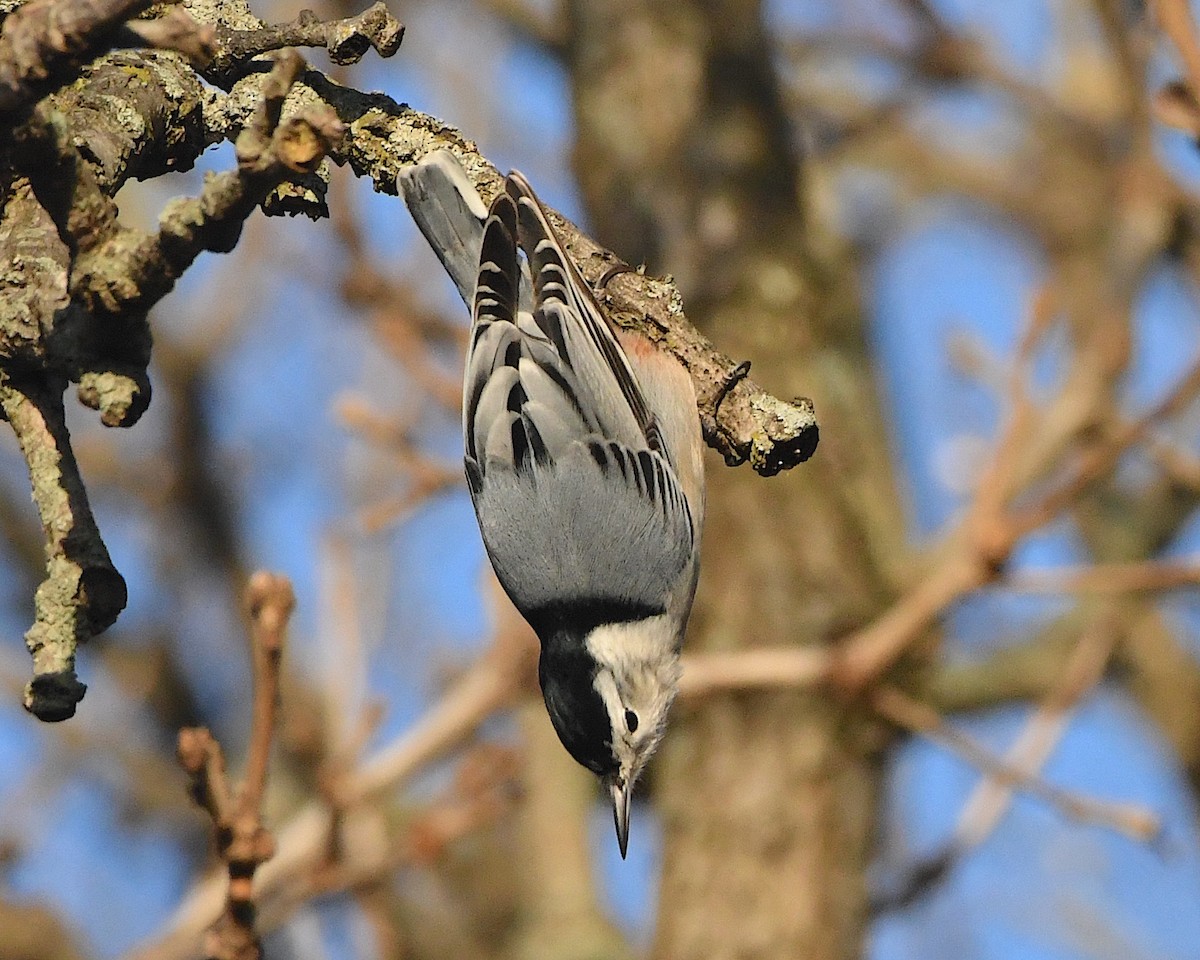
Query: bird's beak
x=621 y=795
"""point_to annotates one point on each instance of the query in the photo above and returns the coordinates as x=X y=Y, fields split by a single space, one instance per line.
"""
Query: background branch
x=243 y=842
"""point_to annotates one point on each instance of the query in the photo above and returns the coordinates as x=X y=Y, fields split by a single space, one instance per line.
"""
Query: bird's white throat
x=637 y=646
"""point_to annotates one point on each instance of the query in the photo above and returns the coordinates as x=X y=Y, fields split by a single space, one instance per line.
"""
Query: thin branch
x=175 y=30
x=485 y=789
x=426 y=476
x=381 y=137
x=203 y=761
x=974 y=554
x=1099 y=461
x=486 y=784
x=986 y=806
x=130 y=274
x=705 y=674
x=866 y=653
x=270 y=601
x=495 y=681
x=244 y=842
x=1181 y=467
x=1141 y=577
x=912 y=715
x=1175 y=17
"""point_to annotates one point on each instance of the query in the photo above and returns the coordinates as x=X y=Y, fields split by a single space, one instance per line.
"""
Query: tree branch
x=83 y=592
x=1139 y=577
x=909 y=714
x=175 y=30
x=242 y=839
x=1175 y=17
x=44 y=44
x=346 y=40
x=496 y=680
x=131 y=271
x=991 y=798
x=382 y=137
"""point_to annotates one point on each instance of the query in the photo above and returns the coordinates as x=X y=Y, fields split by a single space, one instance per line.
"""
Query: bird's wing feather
x=565 y=464
x=564 y=303
x=600 y=522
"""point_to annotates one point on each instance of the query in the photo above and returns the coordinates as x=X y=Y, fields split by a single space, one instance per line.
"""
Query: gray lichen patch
x=787 y=434
x=82 y=593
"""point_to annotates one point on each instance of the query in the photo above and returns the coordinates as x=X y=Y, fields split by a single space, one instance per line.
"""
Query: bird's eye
x=631 y=720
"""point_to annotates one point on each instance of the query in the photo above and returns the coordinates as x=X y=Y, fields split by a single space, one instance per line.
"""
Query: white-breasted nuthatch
x=583 y=456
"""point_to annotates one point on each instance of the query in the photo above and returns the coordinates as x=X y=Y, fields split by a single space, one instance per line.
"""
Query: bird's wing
x=567 y=312
x=576 y=497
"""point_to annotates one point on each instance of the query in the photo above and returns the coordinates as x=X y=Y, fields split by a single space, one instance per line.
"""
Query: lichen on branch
x=83 y=592
x=77 y=283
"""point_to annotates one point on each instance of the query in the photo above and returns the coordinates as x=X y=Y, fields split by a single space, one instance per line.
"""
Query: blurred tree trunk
x=686 y=159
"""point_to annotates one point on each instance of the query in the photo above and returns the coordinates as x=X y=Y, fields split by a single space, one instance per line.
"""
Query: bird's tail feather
x=450 y=214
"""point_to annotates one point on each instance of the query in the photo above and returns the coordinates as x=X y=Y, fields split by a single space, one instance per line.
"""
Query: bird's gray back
x=598 y=523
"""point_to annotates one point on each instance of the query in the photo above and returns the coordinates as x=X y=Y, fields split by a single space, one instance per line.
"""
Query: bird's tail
x=450 y=214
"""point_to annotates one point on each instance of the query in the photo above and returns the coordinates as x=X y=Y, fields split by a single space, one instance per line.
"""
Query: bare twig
x=484 y=789
x=914 y=716
x=485 y=786
x=782 y=667
x=986 y=805
x=270 y=601
x=128 y=274
x=866 y=653
x=496 y=680
x=974 y=554
x=1180 y=466
x=1175 y=17
x=175 y=30
x=426 y=476
x=203 y=761
x=499 y=676
x=1141 y=577
x=244 y=842
x=1103 y=457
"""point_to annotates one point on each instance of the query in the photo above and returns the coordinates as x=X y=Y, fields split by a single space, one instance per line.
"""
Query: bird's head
x=608 y=689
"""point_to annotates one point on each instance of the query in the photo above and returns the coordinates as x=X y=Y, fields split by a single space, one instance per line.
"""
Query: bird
x=583 y=458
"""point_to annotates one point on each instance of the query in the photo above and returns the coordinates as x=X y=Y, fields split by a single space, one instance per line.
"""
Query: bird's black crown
x=567 y=671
